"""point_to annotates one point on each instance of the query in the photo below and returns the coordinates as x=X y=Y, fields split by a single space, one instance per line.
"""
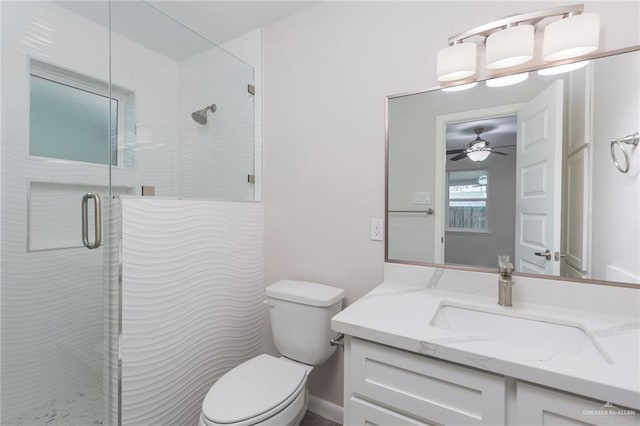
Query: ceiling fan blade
x=499 y=153
x=456 y=151
x=502 y=146
x=458 y=157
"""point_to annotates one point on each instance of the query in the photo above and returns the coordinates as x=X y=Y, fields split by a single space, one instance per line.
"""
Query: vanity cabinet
x=389 y=386
x=366 y=413
x=538 y=405
x=424 y=389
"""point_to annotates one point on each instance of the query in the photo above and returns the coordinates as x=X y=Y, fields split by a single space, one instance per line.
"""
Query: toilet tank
x=300 y=314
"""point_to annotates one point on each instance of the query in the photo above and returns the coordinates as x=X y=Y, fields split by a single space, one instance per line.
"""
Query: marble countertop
x=400 y=315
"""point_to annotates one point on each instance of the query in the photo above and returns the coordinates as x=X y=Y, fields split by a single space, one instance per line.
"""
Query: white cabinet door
x=425 y=388
x=536 y=405
x=366 y=413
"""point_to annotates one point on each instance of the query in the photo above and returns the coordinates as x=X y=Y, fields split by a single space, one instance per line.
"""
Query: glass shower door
x=59 y=138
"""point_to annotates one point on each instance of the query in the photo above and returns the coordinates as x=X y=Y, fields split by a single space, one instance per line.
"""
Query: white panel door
x=577 y=211
x=538 y=181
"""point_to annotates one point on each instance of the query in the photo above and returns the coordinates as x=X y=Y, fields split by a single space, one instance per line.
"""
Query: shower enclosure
x=97 y=103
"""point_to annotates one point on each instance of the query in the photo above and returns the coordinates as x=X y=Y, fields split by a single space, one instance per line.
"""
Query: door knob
x=546 y=254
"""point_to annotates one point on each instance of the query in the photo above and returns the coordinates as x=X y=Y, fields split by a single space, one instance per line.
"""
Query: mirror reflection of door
x=589 y=225
x=503 y=187
x=538 y=180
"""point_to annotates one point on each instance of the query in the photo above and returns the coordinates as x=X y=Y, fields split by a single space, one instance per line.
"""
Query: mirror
x=525 y=170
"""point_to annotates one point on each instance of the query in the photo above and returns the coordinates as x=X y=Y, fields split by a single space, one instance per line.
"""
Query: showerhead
x=200 y=116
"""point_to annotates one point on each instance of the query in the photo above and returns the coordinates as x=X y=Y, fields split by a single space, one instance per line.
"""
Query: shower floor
x=80 y=408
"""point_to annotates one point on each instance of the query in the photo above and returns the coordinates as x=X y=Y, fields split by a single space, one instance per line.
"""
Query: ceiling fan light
x=456 y=62
x=510 y=47
x=478 y=155
x=571 y=37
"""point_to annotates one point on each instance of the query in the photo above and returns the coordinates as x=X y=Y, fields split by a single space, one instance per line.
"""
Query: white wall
x=615 y=243
x=411 y=168
x=327 y=71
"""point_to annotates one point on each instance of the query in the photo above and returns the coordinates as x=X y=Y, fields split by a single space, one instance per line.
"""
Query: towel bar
x=631 y=139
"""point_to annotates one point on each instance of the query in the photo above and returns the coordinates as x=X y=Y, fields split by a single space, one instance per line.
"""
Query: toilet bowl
x=264 y=390
x=267 y=390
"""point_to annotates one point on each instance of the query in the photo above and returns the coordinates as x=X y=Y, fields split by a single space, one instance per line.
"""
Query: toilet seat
x=254 y=391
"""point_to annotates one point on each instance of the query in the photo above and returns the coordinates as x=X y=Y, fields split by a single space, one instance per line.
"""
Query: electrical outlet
x=377 y=229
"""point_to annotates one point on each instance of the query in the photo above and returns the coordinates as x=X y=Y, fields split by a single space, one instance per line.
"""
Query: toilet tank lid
x=305 y=292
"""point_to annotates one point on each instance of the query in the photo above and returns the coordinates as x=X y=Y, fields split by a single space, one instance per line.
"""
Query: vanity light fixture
x=460 y=87
x=563 y=68
x=573 y=36
x=510 y=47
x=457 y=62
x=509 y=42
x=507 y=80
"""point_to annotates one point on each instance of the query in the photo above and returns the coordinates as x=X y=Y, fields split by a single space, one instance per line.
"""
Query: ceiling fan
x=477 y=150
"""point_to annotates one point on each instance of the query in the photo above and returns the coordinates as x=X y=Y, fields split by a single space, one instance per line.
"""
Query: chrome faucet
x=505 y=281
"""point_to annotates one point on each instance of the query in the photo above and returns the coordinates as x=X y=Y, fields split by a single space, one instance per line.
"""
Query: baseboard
x=326 y=409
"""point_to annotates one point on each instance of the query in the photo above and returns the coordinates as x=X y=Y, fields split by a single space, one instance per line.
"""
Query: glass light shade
x=460 y=87
x=478 y=155
x=563 y=68
x=457 y=62
x=510 y=47
x=507 y=80
x=571 y=37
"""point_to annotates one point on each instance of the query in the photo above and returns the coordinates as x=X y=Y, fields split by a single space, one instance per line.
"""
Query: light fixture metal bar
x=528 y=18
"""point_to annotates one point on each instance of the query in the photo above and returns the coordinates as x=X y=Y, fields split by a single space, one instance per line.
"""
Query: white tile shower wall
x=327 y=70
x=111 y=310
x=192 y=302
x=52 y=340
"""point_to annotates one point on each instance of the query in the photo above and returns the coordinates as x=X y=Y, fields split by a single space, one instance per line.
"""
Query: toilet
x=267 y=390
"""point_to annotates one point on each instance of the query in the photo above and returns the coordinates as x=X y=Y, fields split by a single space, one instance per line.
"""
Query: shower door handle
x=97 y=220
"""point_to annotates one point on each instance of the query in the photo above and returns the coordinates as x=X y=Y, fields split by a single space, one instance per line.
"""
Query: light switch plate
x=377 y=229
x=422 y=197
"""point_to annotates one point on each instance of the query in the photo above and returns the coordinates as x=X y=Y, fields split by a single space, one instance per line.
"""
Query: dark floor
x=312 y=419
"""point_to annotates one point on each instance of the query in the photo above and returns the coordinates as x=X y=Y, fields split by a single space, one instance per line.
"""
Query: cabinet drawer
x=537 y=405
x=366 y=413
x=426 y=388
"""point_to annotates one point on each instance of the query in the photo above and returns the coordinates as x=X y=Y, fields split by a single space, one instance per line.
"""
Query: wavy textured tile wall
x=192 y=302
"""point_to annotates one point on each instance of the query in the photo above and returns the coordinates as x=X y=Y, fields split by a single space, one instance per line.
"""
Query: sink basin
x=548 y=335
